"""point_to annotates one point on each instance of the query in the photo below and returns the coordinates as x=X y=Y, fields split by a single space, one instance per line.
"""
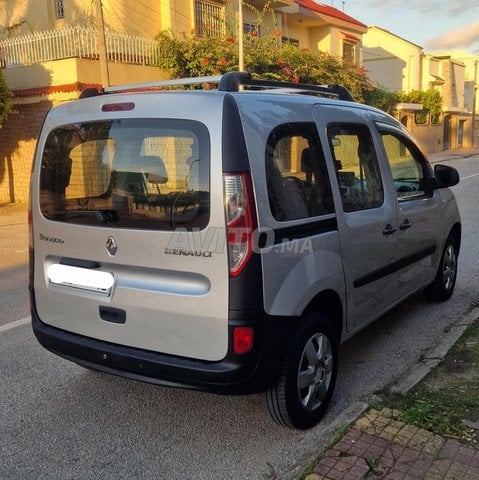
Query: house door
x=447 y=132
x=460 y=134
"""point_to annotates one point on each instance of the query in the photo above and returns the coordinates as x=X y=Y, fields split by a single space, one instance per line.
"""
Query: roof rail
x=164 y=83
x=232 y=82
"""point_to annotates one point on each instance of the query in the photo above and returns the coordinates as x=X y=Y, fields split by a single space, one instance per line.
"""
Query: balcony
x=76 y=42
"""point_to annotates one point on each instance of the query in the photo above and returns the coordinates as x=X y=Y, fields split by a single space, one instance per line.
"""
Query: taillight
x=240 y=220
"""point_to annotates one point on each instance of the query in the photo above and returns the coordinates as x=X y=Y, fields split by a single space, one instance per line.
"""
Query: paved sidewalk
x=13 y=213
x=13 y=235
x=380 y=447
x=451 y=155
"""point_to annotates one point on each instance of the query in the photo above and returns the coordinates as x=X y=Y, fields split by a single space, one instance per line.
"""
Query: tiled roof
x=43 y=91
x=329 y=11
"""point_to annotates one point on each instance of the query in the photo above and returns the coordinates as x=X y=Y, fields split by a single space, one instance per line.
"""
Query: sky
x=435 y=25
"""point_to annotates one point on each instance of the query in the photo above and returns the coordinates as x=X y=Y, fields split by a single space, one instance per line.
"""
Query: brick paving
x=381 y=447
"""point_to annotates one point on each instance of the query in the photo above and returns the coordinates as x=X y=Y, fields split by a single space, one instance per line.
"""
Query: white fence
x=76 y=42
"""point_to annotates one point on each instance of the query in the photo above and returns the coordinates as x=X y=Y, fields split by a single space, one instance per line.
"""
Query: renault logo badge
x=111 y=246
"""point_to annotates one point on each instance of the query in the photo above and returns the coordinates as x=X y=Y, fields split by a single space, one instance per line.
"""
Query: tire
x=443 y=285
x=307 y=376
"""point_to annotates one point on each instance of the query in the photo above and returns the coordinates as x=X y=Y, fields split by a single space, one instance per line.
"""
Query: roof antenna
x=343 y=2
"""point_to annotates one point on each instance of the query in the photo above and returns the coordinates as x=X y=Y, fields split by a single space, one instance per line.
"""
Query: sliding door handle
x=389 y=229
x=405 y=225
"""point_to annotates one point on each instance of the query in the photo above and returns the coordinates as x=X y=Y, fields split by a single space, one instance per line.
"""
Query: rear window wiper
x=101 y=216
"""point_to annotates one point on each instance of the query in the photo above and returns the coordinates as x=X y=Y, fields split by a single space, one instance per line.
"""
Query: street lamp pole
x=474 y=95
x=240 y=36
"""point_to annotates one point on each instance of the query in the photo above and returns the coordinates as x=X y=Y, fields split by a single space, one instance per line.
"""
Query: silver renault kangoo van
x=230 y=239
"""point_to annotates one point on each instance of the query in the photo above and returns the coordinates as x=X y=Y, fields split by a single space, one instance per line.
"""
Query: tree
x=264 y=57
x=431 y=101
x=5 y=99
x=381 y=98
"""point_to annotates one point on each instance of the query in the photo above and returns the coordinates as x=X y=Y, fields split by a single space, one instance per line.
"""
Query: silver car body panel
x=294 y=271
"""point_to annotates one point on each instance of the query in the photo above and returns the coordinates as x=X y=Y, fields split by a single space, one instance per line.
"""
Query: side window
x=357 y=167
x=296 y=175
x=407 y=170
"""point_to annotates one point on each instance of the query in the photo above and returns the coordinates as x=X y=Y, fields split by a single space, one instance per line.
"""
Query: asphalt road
x=60 y=421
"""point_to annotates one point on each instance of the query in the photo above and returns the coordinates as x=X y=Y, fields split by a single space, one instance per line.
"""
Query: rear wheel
x=443 y=285
x=307 y=377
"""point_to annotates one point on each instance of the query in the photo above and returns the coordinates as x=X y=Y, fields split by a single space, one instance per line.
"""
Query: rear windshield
x=130 y=173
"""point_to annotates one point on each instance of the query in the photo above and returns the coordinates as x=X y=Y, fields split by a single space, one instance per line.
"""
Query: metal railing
x=77 y=42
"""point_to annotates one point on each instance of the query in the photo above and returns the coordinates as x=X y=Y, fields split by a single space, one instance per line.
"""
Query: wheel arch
x=329 y=304
x=456 y=233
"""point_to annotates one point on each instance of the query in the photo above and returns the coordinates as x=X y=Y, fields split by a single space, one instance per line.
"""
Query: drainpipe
x=100 y=38
x=474 y=95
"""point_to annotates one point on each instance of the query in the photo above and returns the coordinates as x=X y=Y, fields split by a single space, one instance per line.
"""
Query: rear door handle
x=389 y=229
x=405 y=225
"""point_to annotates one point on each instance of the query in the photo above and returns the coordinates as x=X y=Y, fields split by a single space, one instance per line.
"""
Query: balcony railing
x=76 y=42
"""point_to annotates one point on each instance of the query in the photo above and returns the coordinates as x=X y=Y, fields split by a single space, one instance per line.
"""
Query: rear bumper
x=247 y=373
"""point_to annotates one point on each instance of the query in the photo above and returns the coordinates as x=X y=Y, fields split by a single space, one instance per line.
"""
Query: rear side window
x=357 y=167
x=131 y=173
x=296 y=173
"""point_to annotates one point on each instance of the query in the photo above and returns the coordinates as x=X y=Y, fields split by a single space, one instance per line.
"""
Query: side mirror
x=446 y=176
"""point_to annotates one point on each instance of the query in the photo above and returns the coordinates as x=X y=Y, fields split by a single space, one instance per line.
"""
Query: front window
x=406 y=169
x=135 y=173
x=209 y=19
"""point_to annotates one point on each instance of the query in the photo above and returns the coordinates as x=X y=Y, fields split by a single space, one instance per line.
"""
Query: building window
x=349 y=53
x=251 y=29
x=291 y=41
x=209 y=19
x=59 y=10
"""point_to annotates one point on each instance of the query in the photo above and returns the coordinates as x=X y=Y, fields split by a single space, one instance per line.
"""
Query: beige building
x=49 y=52
x=402 y=66
x=468 y=86
x=392 y=61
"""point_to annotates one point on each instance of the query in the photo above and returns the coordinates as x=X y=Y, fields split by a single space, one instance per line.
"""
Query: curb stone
x=326 y=437
x=434 y=356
